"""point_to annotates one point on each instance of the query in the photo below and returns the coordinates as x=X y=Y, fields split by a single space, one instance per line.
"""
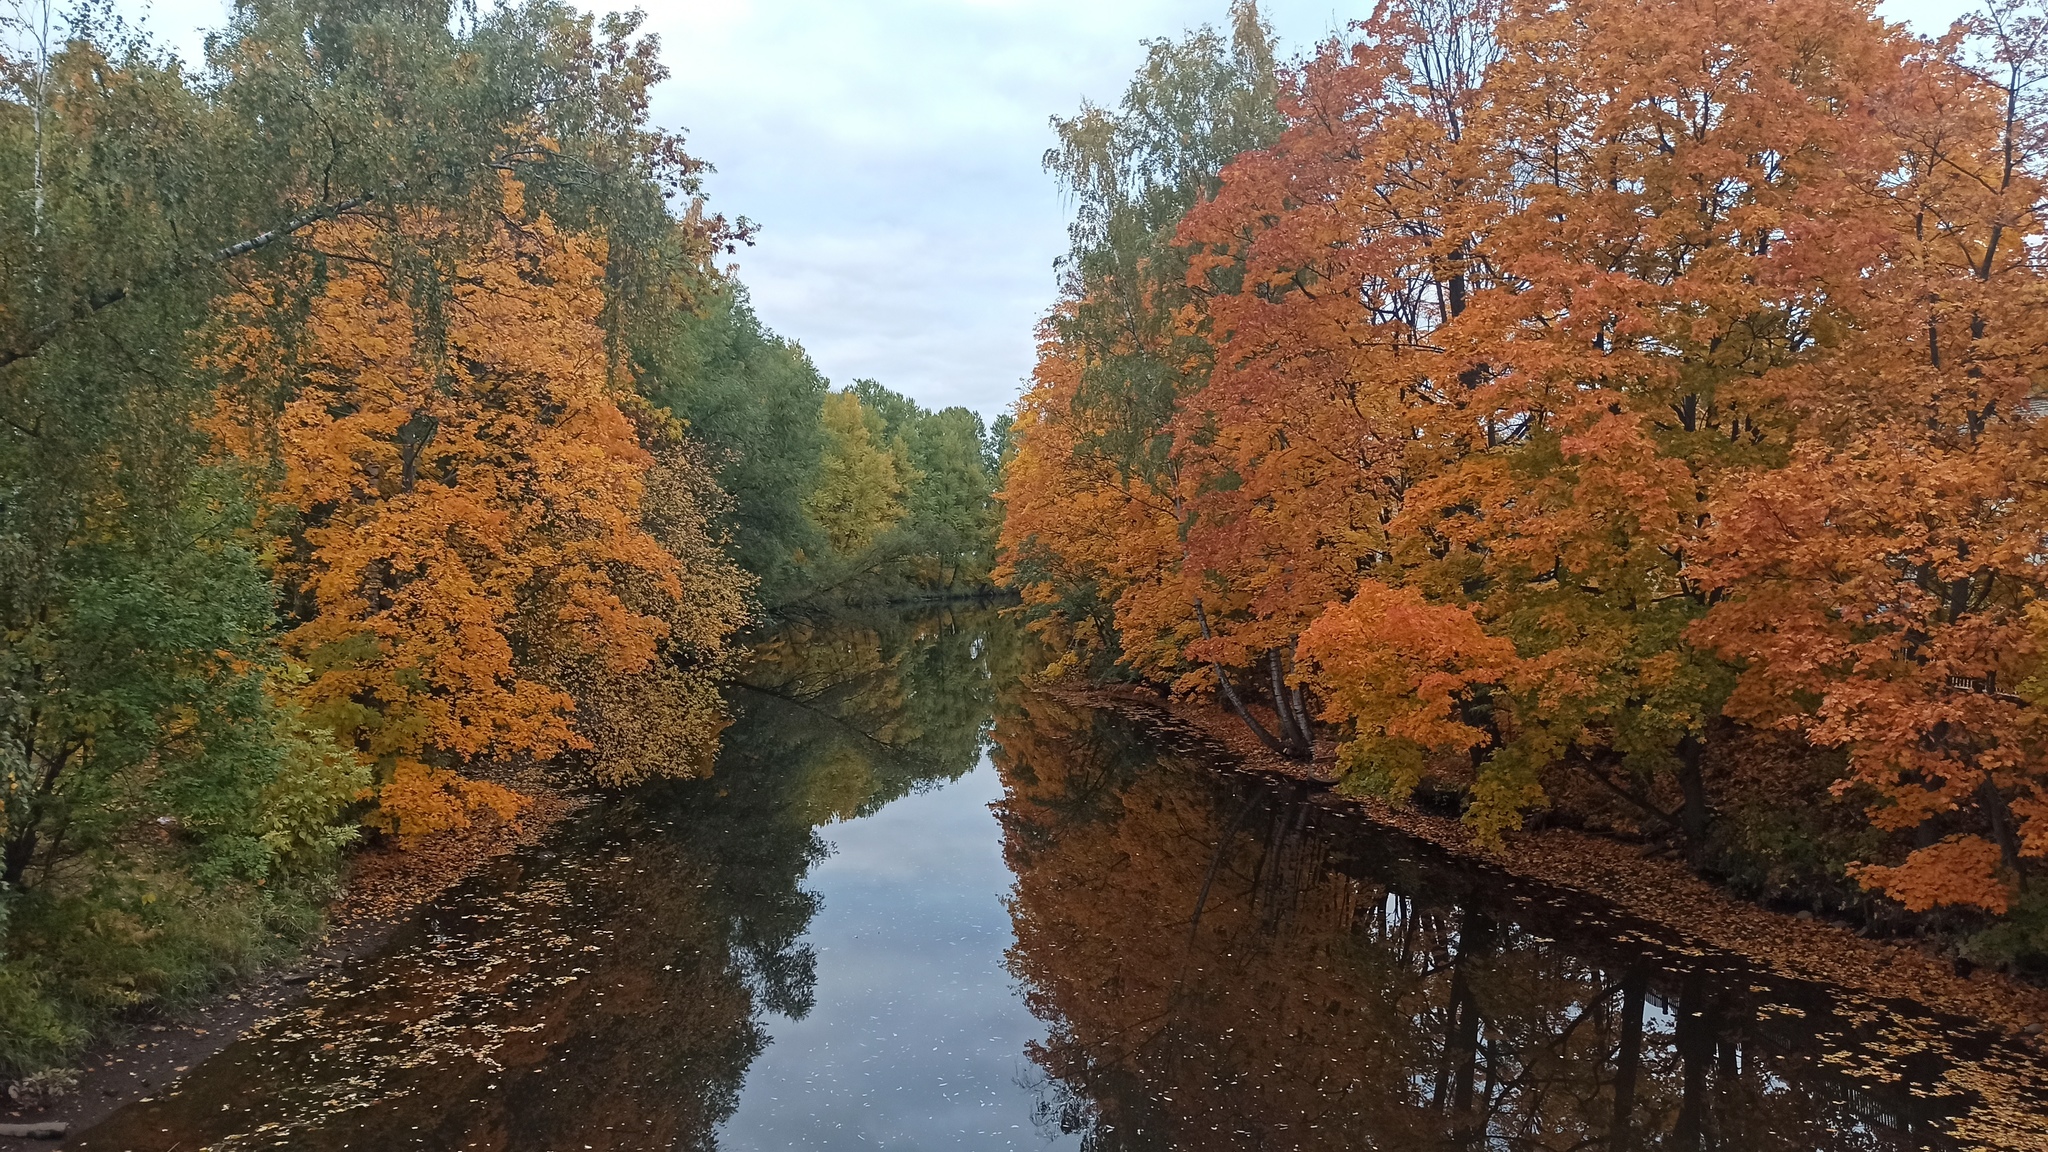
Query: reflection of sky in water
x=917 y=1040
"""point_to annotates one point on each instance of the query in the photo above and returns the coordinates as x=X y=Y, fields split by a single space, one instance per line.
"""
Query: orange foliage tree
x=1090 y=543
x=1883 y=588
x=1634 y=372
x=473 y=552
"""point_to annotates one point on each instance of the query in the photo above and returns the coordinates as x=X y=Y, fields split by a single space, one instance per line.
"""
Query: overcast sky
x=889 y=150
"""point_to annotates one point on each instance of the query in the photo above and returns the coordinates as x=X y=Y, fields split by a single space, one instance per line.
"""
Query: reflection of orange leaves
x=1961 y=870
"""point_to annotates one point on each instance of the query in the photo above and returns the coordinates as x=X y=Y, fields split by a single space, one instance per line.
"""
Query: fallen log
x=49 y=1130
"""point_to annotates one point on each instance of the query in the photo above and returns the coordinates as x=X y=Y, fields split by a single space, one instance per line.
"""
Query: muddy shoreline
x=1650 y=886
x=386 y=884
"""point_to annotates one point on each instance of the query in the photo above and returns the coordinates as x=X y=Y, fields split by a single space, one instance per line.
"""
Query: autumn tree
x=1585 y=386
x=1522 y=382
x=472 y=539
x=861 y=478
x=316 y=213
x=163 y=815
x=1093 y=515
x=1327 y=262
x=1882 y=587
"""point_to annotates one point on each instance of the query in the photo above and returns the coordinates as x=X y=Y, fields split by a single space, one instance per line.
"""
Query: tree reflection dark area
x=1226 y=963
x=610 y=991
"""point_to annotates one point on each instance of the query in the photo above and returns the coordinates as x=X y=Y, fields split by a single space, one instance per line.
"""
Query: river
x=919 y=905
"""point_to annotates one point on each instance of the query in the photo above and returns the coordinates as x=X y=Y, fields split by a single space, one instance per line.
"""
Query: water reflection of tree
x=1219 y=968
x=877 y=704
x=614 y=994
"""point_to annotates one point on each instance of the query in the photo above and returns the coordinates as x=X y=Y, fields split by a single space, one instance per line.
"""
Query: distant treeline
x=380 y=430
x=858 y=494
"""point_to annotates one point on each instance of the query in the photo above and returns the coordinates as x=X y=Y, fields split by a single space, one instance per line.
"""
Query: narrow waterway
x=919 y=905
x=918 y=1036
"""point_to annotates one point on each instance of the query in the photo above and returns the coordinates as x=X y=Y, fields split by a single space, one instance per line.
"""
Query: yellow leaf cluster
x=467 y=501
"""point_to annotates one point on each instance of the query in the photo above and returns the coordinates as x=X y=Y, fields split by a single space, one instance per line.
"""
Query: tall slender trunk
x=1695 y=815
x=1300 y=710
x=37 y=114
x=1290 y=731
x=1233 y=700
x=1628 y=1060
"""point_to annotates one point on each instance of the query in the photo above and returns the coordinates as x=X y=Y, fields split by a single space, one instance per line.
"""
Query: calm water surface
x=919 y=906
x=919 y=1035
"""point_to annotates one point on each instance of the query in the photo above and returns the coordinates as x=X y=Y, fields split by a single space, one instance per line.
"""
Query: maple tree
x=1571 y=387
x=471 y=544
x=1883 y=584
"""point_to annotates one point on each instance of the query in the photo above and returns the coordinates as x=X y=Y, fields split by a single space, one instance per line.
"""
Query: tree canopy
x=1568 y=401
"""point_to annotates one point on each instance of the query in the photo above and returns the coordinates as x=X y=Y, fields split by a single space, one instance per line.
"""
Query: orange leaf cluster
x=1588 y=378
x=466 y=497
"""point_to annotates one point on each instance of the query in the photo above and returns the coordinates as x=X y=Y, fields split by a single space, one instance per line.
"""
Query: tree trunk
x=1695 y=814
x=1236 y=704
x=1231 y=698
x=21 y=852
x=1992 y=801
x=1300 y=707
x=1628 y=1060
x=1283 y=715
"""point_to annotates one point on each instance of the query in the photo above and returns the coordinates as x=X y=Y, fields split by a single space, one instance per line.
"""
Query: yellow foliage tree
x=471 y=549
x=860 y=481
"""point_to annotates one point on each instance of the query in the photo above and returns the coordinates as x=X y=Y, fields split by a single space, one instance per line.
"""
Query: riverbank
x=386 y=883
x=1648 y=885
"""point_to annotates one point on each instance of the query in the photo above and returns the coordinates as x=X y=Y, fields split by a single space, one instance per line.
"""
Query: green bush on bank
x=197 y=889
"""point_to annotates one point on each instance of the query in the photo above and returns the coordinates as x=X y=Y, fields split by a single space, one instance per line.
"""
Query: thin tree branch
x=98 y=302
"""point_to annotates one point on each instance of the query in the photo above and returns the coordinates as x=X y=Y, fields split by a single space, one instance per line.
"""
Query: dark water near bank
x=919 y=906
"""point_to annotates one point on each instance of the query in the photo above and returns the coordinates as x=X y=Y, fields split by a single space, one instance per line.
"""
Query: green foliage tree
x=952 y=504
x=1133 y=172
x=861 y=478
x=148 y=783
x=945 y=542
x=754 y=401
x=162 y=816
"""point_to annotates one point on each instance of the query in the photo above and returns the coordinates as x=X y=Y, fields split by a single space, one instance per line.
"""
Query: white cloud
x=889 y=149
